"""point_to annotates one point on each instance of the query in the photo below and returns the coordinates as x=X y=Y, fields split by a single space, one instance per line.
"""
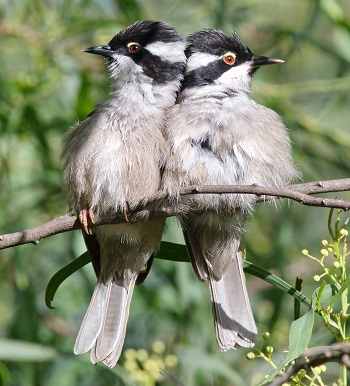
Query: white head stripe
x=172 y=52
x=132 y=43
x=199 y=59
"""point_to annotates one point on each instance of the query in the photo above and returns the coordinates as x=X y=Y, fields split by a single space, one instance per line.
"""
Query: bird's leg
x=86 y=216
x=126 y=211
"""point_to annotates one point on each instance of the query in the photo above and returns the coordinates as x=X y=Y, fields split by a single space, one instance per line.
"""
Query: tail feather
x=104 y=326
x=113 y=326
x=91 y=325
x=112 y=359
x=233 y=317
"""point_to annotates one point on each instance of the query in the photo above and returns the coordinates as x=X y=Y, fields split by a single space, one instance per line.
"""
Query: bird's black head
x=151 y=47
x=215 y=57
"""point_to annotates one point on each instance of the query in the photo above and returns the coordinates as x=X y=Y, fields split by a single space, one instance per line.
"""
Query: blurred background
x=47 y=84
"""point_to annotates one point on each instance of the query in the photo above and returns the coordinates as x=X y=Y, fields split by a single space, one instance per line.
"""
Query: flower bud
x=171 y=360
x=266 y=335
x=158 y=347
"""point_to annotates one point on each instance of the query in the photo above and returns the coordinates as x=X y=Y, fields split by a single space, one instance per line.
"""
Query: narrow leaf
x=324 y=296
x=173 y=252
x=343 y=287
x=275 y=281
x=59 y=277
x=299 y=337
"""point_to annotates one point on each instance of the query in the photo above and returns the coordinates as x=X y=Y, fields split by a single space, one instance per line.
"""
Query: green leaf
x=299 y=337
x=324 y=296
x=301 y=329
x=345 y=286
x=173 y=252
x=275 y=281
x=59 y=277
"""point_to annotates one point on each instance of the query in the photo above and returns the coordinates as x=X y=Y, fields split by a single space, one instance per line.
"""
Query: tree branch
x=312 y=357
x=296 y=192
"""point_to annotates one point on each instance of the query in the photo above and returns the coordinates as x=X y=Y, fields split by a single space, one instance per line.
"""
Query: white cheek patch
x=172 y=52
x=122 y=66
x=238 y=76
x=199 y=59
x=120 y=62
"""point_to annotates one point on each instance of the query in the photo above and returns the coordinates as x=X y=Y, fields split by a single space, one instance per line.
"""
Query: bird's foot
x=86 y=218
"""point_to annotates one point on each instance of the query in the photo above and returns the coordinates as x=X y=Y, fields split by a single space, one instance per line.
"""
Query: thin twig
x=296 y=192
x=312 y=357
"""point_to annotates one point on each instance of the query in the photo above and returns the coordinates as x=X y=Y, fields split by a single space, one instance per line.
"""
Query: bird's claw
x=86 y=218
x=126 y=211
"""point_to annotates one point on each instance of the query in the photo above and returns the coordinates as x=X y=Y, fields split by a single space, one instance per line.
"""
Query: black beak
x=100 y=50
x=258 y=61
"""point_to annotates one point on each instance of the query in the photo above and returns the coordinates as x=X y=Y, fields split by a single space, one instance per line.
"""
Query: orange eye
x=134 y=47
x=229 y=59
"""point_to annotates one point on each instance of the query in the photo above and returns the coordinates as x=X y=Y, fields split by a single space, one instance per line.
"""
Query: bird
x=113 y=162
x=218 y=135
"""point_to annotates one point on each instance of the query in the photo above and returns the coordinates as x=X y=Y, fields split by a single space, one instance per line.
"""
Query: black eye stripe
x=160 y=70
x=205 y=75
x=208 y=74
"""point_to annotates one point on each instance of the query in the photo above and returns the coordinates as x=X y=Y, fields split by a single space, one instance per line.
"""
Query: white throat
x=135 y=91
x=237 y=78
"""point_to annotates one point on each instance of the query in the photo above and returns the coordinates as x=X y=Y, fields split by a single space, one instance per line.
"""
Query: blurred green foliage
x=47 y=84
